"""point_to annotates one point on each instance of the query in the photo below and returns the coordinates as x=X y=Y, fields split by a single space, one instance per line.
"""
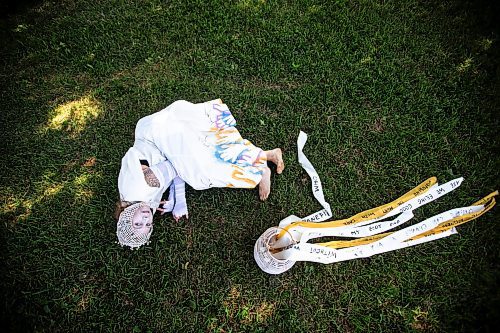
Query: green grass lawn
x=390 y=93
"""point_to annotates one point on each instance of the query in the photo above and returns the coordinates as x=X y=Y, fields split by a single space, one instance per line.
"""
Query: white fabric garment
x=131 y=182
x=202 y=144
x=200 y=141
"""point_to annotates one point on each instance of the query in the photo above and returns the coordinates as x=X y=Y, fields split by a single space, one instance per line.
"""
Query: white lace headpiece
x=127 y=235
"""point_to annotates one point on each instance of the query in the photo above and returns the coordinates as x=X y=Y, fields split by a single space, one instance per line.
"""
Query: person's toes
x=263 y=193
x=265 y=185
x=280 y=165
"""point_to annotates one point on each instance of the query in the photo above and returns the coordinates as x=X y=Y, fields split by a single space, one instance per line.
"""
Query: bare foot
x=265 y=184
x=279 y=158
x=276 y=156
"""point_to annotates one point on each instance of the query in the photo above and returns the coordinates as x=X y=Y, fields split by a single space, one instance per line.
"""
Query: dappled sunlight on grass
x=81 y=180
x=238 y=308
x=16 y=207
x=264 y=311
x=465 y=65
x=20 y=206
x=84 y=301
x=47 y=187
x=251 y=4
x=314 y=9
x=51 y=190
x=21 y=27
x=79 y=298
x=416 y=318
x=82 y=192
x=74 y=116
x=366 y=60
x=486 y=43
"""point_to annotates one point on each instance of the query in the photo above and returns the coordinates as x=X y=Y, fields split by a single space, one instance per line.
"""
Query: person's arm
x=167 y=170
x=180 y=205
x=150 y=177
x=168 y=205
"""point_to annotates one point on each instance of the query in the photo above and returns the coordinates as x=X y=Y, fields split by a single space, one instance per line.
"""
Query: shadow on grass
x=69 y=109
x=16 y=7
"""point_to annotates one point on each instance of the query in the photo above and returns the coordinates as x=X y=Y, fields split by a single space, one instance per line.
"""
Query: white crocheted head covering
x=127 y=234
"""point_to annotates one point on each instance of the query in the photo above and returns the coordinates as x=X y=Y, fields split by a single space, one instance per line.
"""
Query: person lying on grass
x=197 y=144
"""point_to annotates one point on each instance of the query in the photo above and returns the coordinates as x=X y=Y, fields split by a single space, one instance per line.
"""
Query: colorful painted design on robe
x=247 y=160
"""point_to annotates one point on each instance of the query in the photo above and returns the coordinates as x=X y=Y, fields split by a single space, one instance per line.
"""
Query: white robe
x=202 y=143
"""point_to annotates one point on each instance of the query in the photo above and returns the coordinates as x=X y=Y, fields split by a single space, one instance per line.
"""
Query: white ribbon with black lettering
x=368 y=228
x=317 y=188
x=275 y=255
x=396 y=240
